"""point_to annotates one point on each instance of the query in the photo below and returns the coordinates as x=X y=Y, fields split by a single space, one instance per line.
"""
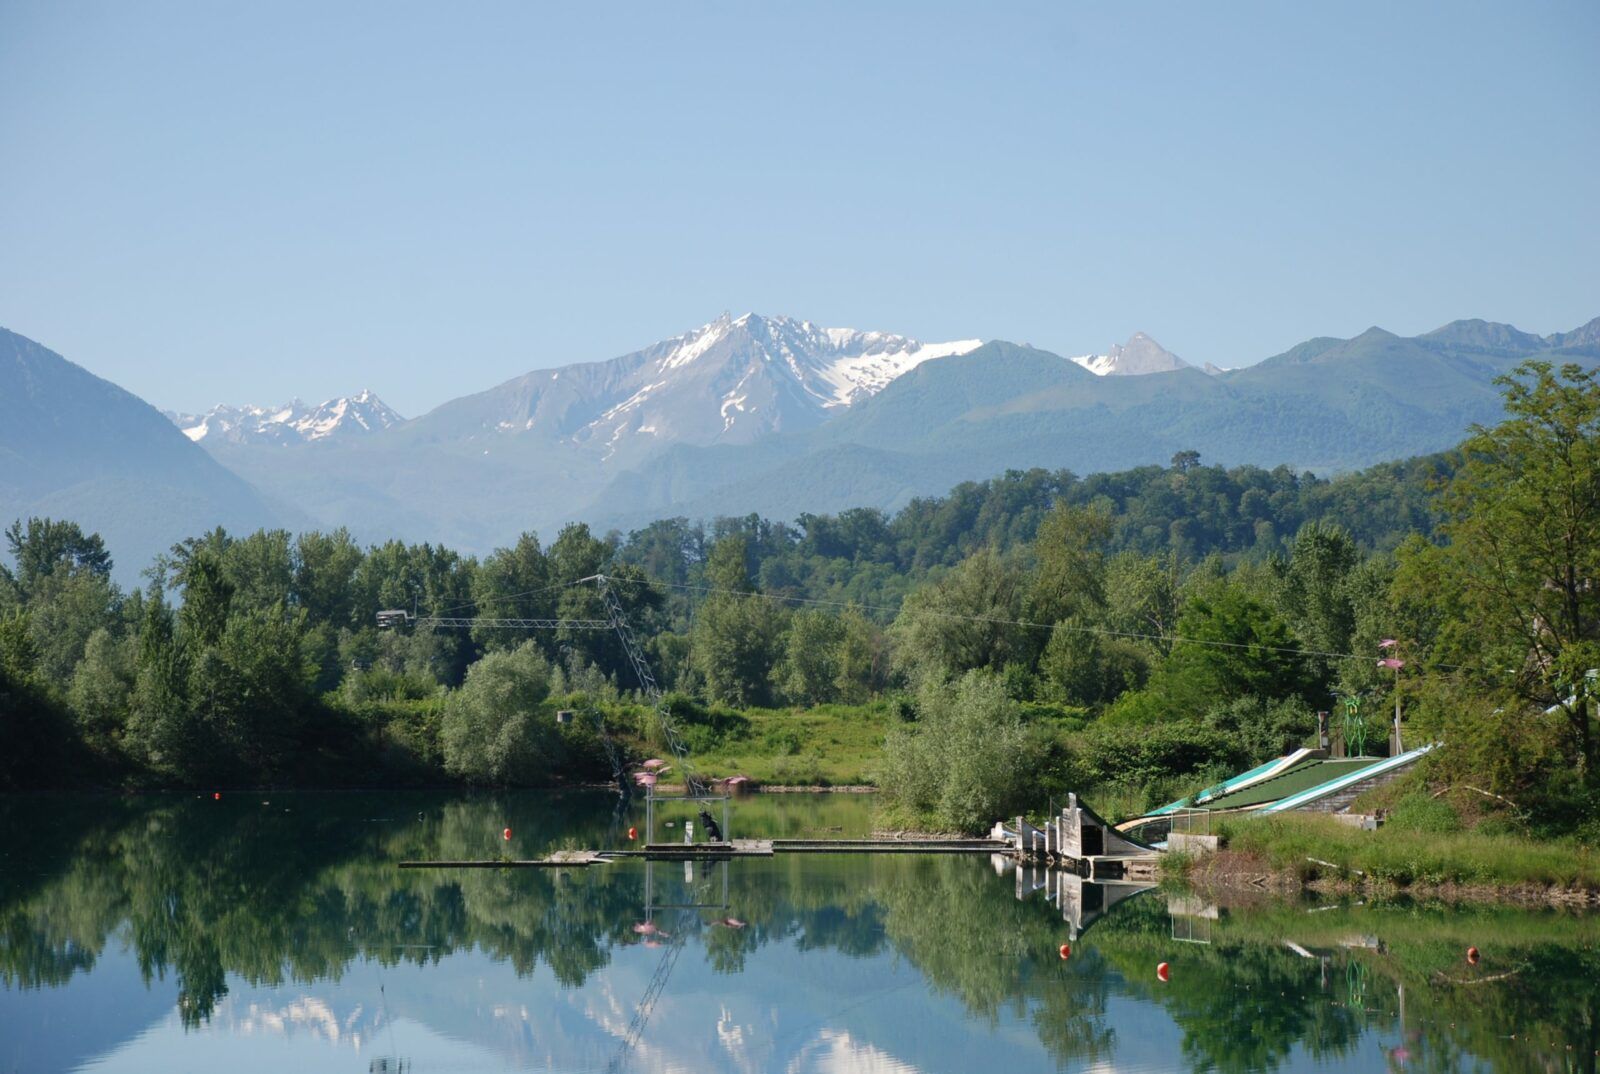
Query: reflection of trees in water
x=1245 y=1001
x=1242 y=1007
x=965 y=931
x=199 y=889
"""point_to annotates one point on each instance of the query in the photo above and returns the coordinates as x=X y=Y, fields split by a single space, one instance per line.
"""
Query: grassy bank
x=827 y=745
x=1316 y=848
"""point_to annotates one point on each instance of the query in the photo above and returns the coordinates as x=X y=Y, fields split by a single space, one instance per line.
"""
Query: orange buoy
x=1066 y=950
x=507 y=834
x=1472 y=955
x=633 y=833
x=1164 y=972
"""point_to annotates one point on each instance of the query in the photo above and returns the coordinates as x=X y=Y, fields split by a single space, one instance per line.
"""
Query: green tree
x=207 y=598
x=253 y=690
x=1522 y=562
x=1230 y=646
x=102 y=688
x=737 y=636
x=259 y=569
x=34 y=737
x=1070 y=576
x=968 y=619
x=164 y=733
x=325 y=566
x=65 y=608
x=513 y=583
x=493 y=731
x=43 y=545
x=828 y=656
x=1312 y=591
x=1084 y=666
x=809 y=668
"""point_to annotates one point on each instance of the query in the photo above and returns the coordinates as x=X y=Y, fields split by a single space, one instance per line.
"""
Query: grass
x=1405 y=857
x=829 y=745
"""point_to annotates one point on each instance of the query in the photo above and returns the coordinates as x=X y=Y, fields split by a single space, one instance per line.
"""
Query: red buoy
x=507 y=834
x=216 y=796
x=1066 y=951
x=633 y=833
x=1472 y=955
x=1164 y=972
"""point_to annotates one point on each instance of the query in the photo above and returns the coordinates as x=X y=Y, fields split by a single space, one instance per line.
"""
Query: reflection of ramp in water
x=1082 y=902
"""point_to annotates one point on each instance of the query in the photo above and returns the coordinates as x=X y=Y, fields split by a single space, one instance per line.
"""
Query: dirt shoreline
x=1230 y=872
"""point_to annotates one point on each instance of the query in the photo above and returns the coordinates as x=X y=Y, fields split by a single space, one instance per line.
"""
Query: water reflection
x=195 y=935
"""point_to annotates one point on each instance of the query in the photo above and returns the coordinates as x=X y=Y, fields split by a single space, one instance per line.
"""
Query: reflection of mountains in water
x=290 y=923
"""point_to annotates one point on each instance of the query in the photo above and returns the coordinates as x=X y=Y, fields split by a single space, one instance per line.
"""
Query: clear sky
x=245 y=202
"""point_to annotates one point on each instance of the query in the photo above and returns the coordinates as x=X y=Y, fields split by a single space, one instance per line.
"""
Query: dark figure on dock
x=713 y=832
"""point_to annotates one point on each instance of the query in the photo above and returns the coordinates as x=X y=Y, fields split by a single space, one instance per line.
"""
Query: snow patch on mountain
x=731 y=380
x=293 y=423
x=835 y=366
x=1139 y=356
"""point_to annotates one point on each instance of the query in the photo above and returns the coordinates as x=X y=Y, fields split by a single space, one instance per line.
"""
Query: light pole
x=1394 y=663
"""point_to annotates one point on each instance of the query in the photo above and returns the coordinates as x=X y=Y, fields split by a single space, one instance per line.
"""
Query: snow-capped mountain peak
x=1138 y=356
x=730 y=381
x=292 y=423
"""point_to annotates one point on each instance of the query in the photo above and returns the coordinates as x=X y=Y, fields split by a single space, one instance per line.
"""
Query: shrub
x=963 y=764
x=1148 y=754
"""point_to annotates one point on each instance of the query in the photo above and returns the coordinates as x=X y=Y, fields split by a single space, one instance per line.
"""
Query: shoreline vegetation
x=1312 y=854
x=1131 y=637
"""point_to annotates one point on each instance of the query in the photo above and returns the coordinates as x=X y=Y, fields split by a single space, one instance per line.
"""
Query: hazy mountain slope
x=1140 y=356
x=777 y=415
x=75 y=446
x=534 y=451
x=1325 y=405
x=732 y=381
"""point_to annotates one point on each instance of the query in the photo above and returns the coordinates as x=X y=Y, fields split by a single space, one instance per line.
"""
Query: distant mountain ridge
x=767 y=414
x=78 y=447
x=292 y=423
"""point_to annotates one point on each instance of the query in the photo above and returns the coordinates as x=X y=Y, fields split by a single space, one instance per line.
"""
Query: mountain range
x=767 y=414
x=292 y=423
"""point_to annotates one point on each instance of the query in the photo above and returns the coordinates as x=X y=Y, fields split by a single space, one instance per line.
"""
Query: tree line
x=1128 y=631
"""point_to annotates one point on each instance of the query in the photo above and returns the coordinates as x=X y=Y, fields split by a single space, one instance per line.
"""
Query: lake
x=273 y=932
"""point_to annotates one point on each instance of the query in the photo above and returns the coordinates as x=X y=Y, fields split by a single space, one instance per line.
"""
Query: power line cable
x=1023 y=623
x=508 y=596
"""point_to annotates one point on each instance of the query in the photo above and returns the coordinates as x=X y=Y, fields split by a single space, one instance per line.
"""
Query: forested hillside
x=1132 y=632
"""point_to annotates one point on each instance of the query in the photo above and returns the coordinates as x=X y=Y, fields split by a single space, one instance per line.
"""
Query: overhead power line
x=1021 y=623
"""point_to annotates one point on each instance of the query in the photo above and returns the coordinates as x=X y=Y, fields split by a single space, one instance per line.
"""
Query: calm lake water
x=273 y=932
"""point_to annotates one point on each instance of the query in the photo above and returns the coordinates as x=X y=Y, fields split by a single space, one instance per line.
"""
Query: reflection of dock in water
x=723 y=851
x=1082 y=902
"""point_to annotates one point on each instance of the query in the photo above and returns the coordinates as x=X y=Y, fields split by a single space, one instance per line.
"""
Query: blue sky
x=219 y=202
